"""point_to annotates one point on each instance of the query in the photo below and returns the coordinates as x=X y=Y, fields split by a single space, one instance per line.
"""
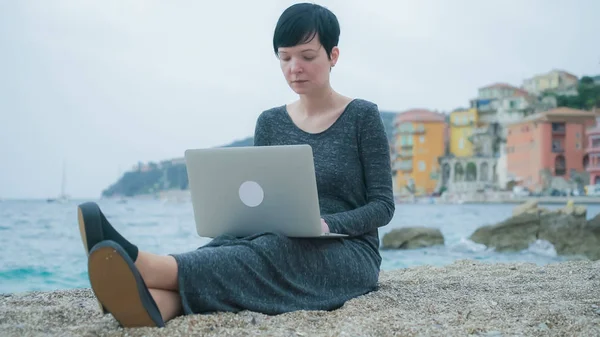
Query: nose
x=295 y=66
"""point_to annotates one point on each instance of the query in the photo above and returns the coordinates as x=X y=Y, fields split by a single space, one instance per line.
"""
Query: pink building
x=593 y=154
x=552 y=141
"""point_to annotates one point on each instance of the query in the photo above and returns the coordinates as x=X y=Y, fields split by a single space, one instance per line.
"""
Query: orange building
x=552 y=141
x=420 y=140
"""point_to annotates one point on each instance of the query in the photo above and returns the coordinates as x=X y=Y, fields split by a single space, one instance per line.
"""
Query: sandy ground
x=462 y=299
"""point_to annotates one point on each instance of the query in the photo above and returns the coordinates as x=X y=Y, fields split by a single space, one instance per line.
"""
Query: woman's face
x=306 y=67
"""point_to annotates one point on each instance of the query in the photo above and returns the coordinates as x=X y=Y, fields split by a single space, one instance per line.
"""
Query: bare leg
x=158 y=271
x=168 y=302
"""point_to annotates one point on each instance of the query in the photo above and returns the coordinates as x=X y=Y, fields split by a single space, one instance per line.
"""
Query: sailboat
x=63 y=197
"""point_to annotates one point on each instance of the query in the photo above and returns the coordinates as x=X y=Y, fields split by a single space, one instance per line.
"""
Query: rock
x=412 y=237
x=566 y=229
x=513 y=234
x=594 y=224
x=569 y=235
x=529 y=206
x=572 y=209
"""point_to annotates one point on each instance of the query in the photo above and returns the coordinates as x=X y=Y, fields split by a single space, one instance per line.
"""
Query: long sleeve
x=375 y=159
x=261 y=133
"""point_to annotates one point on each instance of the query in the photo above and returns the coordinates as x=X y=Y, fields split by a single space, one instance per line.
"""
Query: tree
x=588 y=96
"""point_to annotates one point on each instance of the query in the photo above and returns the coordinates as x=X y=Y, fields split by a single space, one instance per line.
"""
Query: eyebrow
x=302 y=51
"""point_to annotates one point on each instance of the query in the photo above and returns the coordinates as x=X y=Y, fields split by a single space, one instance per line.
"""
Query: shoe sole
x=120 y=288
x=84 y=236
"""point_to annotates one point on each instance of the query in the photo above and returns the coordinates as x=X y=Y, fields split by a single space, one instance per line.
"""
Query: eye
x=309 y=58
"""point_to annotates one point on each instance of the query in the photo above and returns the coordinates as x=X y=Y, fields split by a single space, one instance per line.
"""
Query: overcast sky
x=102 y=85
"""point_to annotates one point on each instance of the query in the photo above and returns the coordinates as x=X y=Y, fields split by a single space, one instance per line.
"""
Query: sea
x=41 y=249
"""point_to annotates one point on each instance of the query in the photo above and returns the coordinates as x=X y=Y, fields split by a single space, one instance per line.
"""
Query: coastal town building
x=496 y=106
x=547 y=149
x=467 y=167
x=419 y=141
x=481 y=164
x=556 y=81
x=591 y=160
x=462 y=123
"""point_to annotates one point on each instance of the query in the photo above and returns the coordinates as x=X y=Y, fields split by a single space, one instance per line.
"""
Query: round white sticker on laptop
x=251 y=193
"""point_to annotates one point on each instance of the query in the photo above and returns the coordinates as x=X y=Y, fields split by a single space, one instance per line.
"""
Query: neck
x=315 y=103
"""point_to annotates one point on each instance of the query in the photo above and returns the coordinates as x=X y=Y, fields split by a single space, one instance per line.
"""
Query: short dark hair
x=300 y=23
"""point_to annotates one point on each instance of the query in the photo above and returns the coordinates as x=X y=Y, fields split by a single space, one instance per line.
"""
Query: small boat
x=63 y=198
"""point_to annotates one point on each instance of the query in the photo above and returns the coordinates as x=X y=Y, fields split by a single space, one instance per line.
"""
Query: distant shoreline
x=581 y=200
x=541 y=200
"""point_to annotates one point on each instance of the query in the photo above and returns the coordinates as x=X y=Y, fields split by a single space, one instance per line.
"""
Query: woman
x=268 y=272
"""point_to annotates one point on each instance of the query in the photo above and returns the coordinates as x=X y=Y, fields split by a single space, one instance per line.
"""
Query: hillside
x=152 y=177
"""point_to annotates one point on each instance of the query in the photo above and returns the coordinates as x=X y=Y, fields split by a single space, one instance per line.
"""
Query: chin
x=300 y=90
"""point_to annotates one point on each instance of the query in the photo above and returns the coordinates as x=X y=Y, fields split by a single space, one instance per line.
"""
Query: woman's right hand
x=324 y=226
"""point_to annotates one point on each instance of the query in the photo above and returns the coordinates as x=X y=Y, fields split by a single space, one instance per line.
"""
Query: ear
x=335 y=54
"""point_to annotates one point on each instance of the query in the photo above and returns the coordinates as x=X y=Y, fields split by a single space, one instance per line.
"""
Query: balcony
x=595 y=149
x=405 y=154
x=594 y=145
x=592 y=168
x=558 y=128
x=461 y=123
x=557 y=146
x=420 y=129
x=404 y=142
x=404 y=166
x=408 y=129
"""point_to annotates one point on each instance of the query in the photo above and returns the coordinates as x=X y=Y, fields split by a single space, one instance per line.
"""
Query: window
x=578 y=145
x=556 y=145
x=422 y=139
x=421 y=166
x=461 y=143
x=560 y=167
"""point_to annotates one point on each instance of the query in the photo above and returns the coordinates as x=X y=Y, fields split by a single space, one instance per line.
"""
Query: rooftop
x=559 y=114
x=419 y=115
x=500 y=86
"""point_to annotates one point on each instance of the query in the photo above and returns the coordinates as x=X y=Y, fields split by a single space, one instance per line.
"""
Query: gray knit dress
x=273 y=274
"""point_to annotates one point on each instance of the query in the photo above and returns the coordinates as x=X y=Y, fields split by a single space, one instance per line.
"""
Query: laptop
x=241 y=191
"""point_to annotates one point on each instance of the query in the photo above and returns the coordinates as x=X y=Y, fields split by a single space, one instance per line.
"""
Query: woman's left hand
x=324 y=226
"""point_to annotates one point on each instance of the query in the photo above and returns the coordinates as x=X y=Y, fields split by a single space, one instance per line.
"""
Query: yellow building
x=462 y=125
x=420 y=141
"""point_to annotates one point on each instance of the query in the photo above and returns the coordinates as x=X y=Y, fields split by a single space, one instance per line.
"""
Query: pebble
x=543 y=326
x=493 y=333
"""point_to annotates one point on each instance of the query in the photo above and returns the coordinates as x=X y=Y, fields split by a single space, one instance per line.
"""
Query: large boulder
x=512 y=234
x=527 y=207
x=594 y=224
x=567 y=229
x=412 y=237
